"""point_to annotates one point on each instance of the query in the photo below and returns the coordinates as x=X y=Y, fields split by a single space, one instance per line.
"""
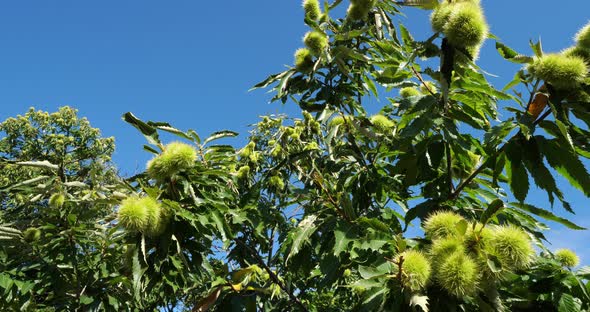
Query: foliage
x=58 y=247
x=419 y=206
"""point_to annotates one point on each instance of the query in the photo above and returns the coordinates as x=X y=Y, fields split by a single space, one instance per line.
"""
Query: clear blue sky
x=191 y=63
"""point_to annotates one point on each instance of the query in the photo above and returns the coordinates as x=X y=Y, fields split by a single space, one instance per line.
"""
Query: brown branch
x=449 y=167
x=447 y=63
x=419 y=76
x=483 y=165
x=272 y=275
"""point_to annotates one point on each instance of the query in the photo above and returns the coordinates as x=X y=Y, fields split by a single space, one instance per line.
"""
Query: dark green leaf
x=517 y=176
x=545 y=214
x=492 y=209
x=150 y=133
x=562 y=159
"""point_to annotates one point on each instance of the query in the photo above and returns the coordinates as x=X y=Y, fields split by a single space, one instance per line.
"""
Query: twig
x=419 y=76
x=483 y=165
x=449 y=167
x=272 y=275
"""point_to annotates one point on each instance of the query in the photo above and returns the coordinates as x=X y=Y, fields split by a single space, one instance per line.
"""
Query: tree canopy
x=421 y=206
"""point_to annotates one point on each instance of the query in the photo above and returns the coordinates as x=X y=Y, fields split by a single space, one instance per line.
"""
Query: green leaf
x=498 y=134
x=166 y=127
x=220 y=134
x=537 y=48
x=137 y=272
x=343 y=234
x=76 y=184
x=268 y=81
x=461 y=227
x=38 y=164
x=545 y=214
x=5 y=281
x=419 y=301
x=150 y=133
x=563 y=130
x=370 y=85
x=304 y=230
x=494 y=264
x=568 y=304
x=86 y=300
x=368 y=272
x=9 y=231
x=511 y=55
x=566 y=163
x=282 y=87
x=220 y=223
x=517 y=79
x=374 y=224
x=492 y=209
x=517 y=176
x=406 y=37
x=32 y=181
x=584 y=272
x=422 y=4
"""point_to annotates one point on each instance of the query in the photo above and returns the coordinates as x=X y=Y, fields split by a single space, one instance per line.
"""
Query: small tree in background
x=57 y=192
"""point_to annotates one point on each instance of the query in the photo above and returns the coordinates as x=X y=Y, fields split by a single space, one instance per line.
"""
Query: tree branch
x=474 y=174
x=449 y=167
x=272 y=275
x=419 y=76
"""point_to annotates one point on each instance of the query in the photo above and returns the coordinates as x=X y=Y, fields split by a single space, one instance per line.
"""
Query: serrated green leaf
x=343 y=238
x=568 y=304
x=38 y=164
x=220 y=134
x=304 y=230
x=149 y=132
x=545 y=214
x=492 y=209
x=86 y=300
x=511 y=55
x=565 y=163
x=419 y=301
x=517 y=175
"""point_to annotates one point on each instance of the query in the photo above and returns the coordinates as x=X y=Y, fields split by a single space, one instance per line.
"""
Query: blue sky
x=191 y=63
